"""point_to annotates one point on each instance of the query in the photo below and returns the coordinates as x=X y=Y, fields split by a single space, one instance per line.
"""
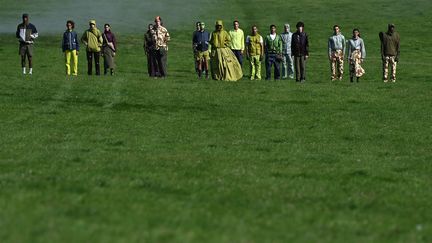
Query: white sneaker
x=24 y=71
x=31 y=71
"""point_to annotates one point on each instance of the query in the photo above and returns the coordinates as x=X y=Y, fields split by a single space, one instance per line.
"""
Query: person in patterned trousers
x=390 y=51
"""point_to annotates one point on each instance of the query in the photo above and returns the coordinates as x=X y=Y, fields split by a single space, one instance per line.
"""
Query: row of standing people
x=289 y=51
x=224 y=49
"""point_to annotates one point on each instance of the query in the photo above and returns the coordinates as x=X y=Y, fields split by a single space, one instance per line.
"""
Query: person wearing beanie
x=356 y=55
x=336 y=53
x=200 y=42
x=26 y=34
x=70 y=46
x=287 y=61
x=161 y=38
x=92 y=39
x=109 y=49
x=255 y=52
x=390 y=51
x=300 y=52
x=223 y=62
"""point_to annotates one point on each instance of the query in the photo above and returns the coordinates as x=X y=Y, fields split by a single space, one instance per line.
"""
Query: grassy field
x=133 y=159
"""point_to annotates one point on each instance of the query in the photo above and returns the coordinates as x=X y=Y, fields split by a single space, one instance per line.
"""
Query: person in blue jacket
x=200 y=42
x=70 y=46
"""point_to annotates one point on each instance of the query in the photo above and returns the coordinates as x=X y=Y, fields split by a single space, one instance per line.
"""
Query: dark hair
x=71 y=22
x=299 y=24
x=236 y=21
x=355 y=29
x=271 y=26
x=334 y=26
x=197 y=23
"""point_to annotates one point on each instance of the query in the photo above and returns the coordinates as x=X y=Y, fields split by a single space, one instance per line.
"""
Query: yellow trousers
x=71 y=54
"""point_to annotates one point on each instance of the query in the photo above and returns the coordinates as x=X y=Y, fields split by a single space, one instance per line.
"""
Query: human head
x=25 y=18
x=158 y=21
x=236 y=24
x=300 y=26
x=197 y=25
x=107 y=27
x=391 y=28
x=92 y=23
x=273 y=29
x=356 y=33
x=287 y=27
x=202 y=26
x=254 y=30
x=70 y=24
x=150 y=27
x=336 y=29
x=219 y=25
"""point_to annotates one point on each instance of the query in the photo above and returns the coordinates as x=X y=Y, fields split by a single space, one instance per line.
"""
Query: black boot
x=358 y=79
x=351 y=79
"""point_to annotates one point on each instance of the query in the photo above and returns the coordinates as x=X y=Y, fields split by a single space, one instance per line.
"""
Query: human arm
x=34 y=34
x=397 y=49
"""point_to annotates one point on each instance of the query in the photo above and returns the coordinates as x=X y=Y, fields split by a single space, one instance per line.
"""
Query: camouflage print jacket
x=161 y=38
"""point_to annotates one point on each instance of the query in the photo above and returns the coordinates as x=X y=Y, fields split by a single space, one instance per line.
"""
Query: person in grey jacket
x=356 y=55
x=70 y=46
x=287 y=61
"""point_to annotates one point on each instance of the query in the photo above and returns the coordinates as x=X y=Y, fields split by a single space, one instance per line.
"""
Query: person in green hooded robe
x=224 y=64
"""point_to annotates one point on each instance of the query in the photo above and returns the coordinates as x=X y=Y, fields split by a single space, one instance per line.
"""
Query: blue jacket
x=201 y=40
x=70 y=41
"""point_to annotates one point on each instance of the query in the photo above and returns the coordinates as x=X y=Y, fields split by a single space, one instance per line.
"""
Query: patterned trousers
x=336 y=64
x=389 y=60
x=356 y=69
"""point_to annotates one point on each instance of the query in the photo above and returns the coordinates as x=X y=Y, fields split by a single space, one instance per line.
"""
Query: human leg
x=68 y=55
x=97 y=64
x=385 y=68
x=89 y=56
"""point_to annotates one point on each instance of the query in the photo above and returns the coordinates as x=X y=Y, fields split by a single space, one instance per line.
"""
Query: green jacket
x=273 y=46
x=92 y=38
x=390 y=44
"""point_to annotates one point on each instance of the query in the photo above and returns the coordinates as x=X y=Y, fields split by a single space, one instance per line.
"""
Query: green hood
x=219 y=22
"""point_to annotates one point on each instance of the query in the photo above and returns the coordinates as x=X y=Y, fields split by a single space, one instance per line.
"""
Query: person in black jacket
x=70 y=48
x=300 y=51
x=26 y=33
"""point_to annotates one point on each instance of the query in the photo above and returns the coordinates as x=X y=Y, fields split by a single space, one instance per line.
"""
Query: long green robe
x=223 y=62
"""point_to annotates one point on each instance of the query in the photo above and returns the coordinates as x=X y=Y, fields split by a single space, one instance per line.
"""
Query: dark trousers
x=151 y=64
x=300 y=68
x=161 y=62
x=238 y=54
x=272 y=61
x=90 y=57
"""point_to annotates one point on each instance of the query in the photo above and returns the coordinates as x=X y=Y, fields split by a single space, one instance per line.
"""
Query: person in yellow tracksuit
x=255 y=52
x=70 y=48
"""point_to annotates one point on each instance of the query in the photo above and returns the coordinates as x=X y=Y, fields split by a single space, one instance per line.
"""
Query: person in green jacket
x=390 y=50
x=92 y=39
x=273 y=52
x=224 y=64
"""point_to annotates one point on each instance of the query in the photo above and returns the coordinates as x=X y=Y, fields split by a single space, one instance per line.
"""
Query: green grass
x=133 y=159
